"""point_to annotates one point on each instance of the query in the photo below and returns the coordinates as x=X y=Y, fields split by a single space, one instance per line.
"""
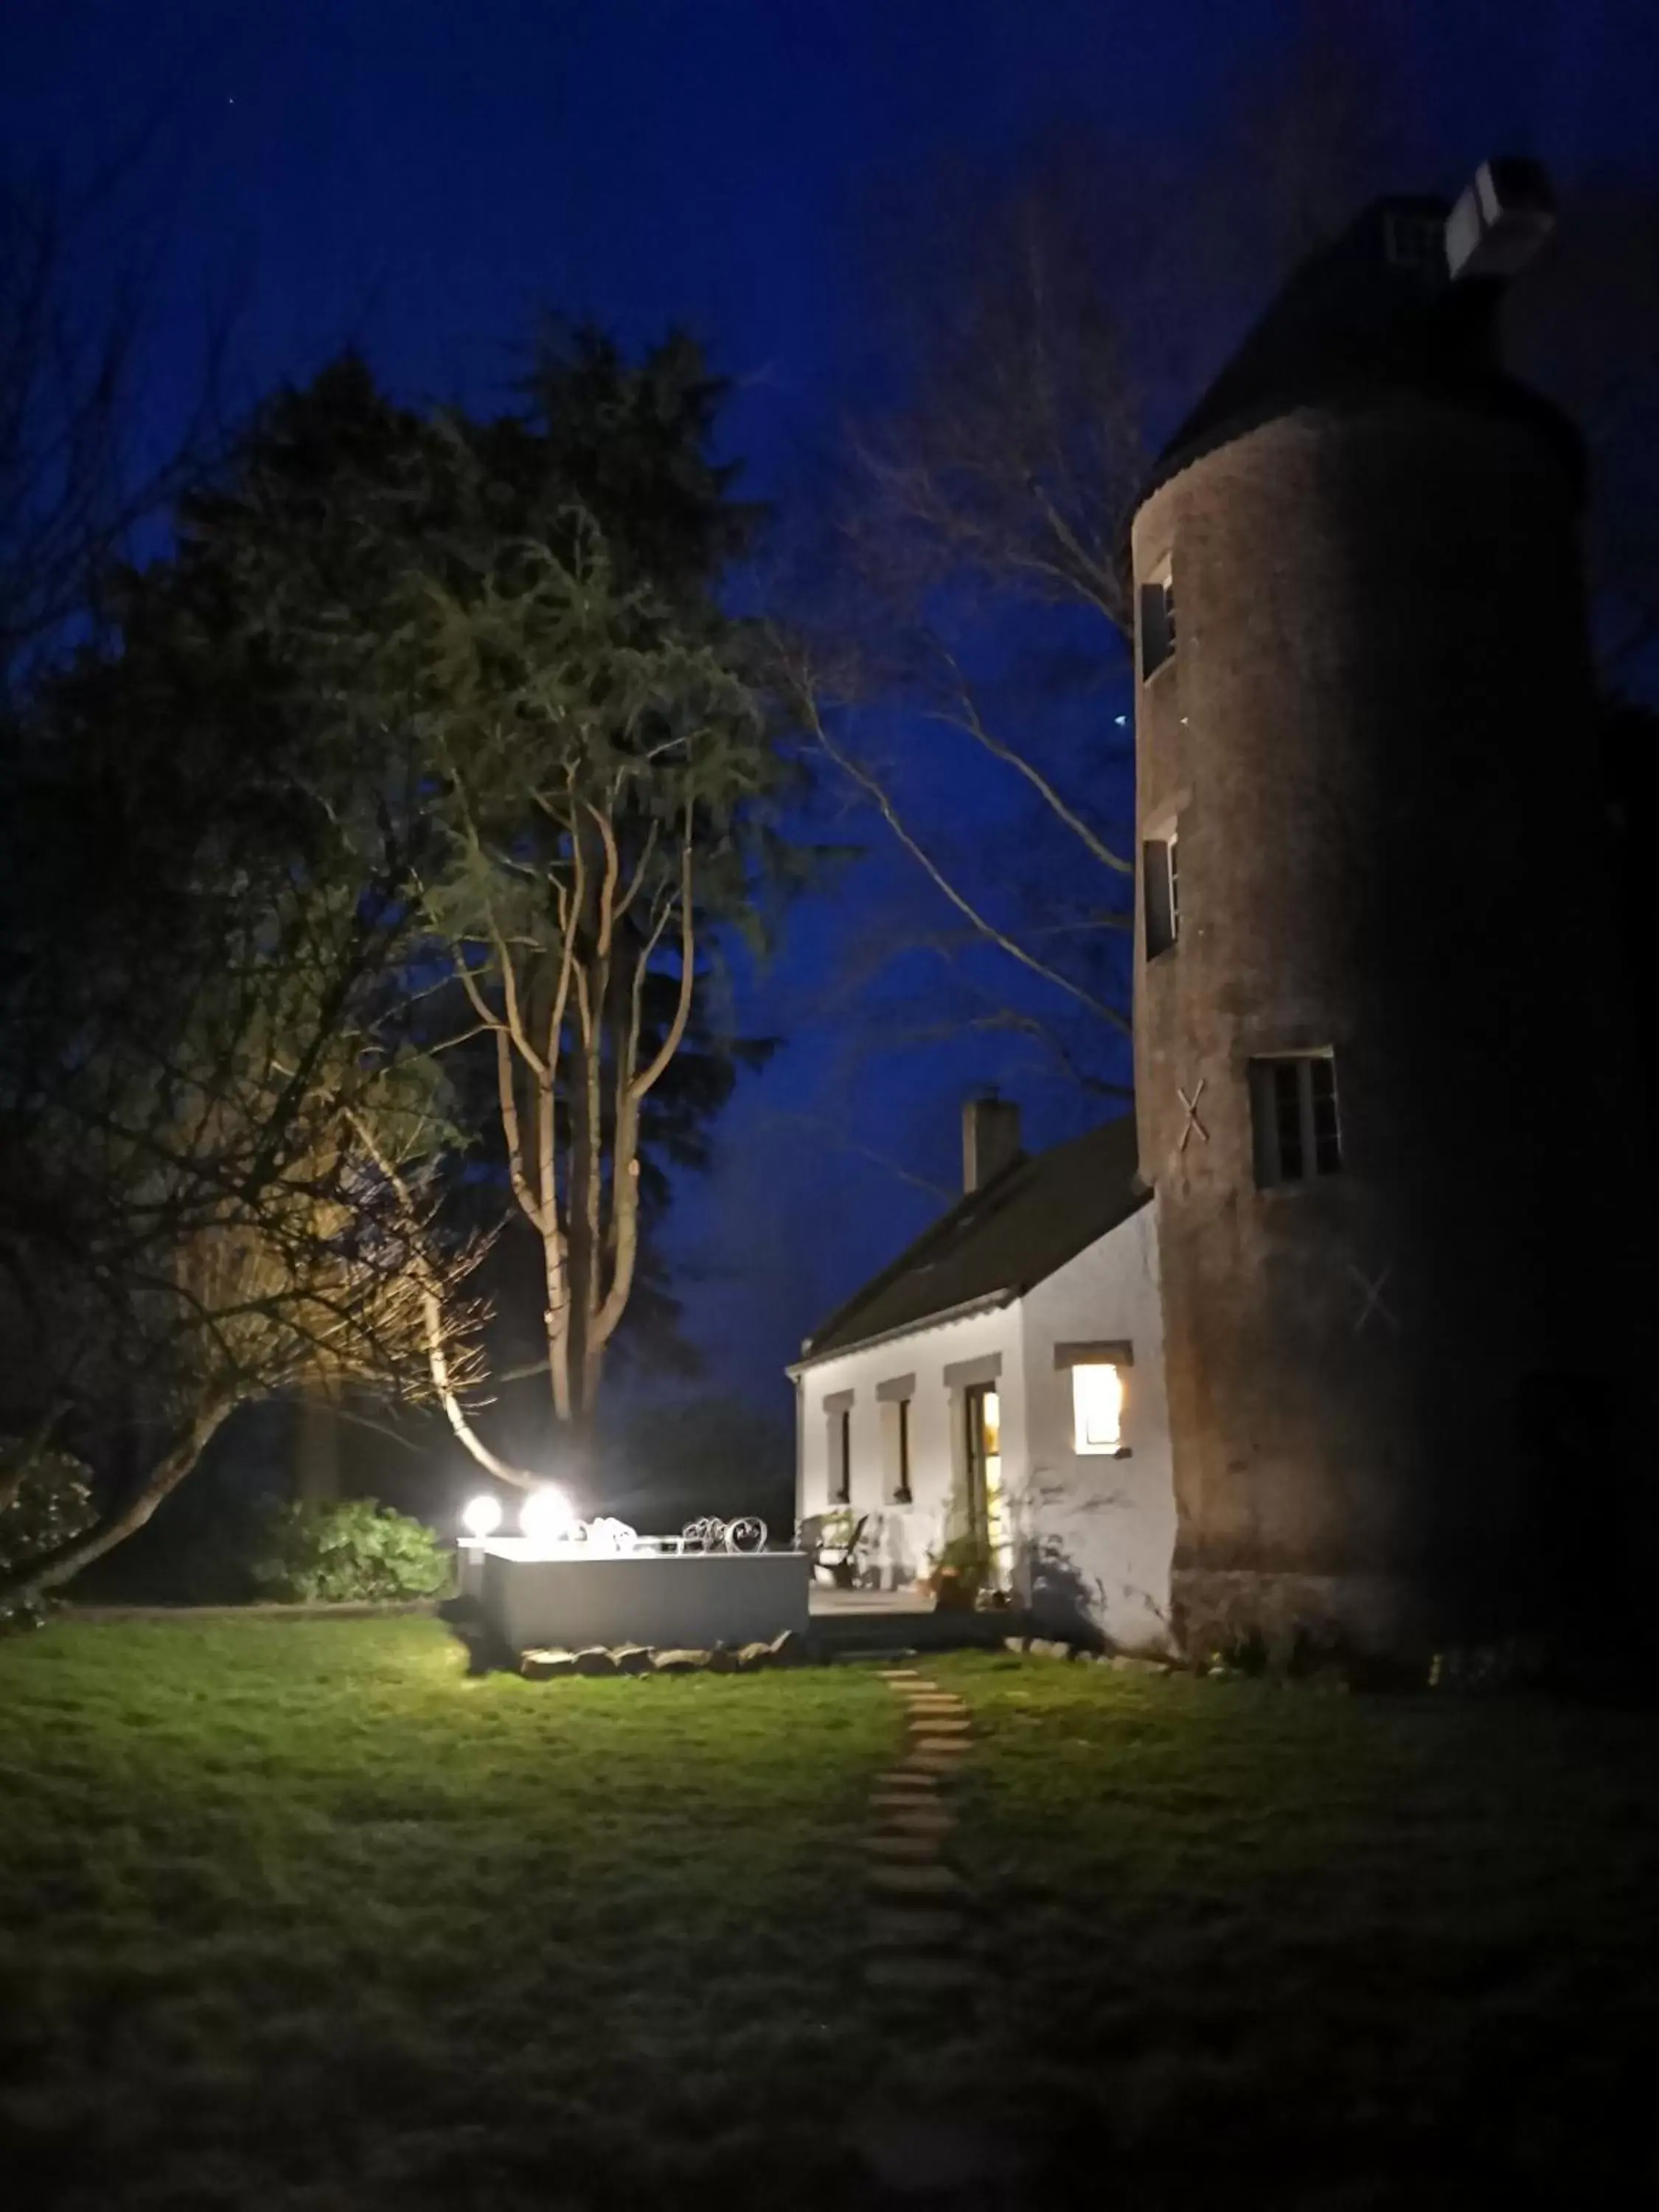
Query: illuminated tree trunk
x=575 y=1080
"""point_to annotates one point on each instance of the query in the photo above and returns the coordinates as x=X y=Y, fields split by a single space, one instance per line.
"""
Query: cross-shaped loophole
x=1371 y=1289
x=1194 y=1127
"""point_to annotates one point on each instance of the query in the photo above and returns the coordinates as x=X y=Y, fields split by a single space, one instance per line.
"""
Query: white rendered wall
x=1107 y=1526
x=901 y=1537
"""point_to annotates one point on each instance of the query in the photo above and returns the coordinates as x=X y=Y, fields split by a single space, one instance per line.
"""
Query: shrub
x=338 y=1553
x=53 y=1502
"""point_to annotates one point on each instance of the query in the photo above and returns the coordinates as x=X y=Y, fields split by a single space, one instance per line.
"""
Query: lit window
x=1157 y=622
x=1097 y=1408
x=991 y=1406
x=1293 y=1108
x=1161 y=889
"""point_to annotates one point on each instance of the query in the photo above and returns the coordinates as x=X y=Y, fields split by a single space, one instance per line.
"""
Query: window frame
x=897 y=1463
x=1414 y=241
x=1156 y=621
x=1160 y=894
x=1316 y=1151
x=1117 y=1353
x=838 y=1420
x=1082 y=1446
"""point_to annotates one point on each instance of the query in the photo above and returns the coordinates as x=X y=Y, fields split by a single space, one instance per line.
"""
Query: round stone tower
x=1375 y=1086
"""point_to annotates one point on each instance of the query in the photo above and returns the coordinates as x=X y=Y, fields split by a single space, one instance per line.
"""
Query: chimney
x=990 y=1140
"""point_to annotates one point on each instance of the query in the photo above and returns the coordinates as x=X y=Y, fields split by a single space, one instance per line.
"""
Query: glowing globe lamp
x=480 y=1517
x=545 y=1514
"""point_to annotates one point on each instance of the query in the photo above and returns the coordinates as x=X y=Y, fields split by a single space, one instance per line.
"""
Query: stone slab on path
x=920 y=1850
x=904 y=1817
x=939 y=1724
x=908 y=1788
x=905 y=1881
x=919 y=1976
x=915 y=1928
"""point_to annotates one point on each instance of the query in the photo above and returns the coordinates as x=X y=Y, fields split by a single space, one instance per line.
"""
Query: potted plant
x=960 y=1569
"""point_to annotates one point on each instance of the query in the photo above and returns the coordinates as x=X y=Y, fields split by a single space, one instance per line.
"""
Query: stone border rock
x=788 y=1650
x=1122 y=1662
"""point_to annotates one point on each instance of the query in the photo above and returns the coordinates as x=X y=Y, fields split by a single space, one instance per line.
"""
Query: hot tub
x=531 y=1597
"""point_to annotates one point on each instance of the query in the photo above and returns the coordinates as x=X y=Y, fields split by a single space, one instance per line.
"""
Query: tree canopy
x=371 y=879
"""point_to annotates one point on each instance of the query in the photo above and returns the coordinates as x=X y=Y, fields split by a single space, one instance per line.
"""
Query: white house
x=1002 y=1382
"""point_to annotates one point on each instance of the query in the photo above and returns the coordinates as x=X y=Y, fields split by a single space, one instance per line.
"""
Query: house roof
x=996 y=1243
x=1354 y=321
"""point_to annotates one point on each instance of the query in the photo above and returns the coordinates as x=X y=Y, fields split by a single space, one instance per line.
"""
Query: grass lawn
x=293 y=1914
x=1256 y=1946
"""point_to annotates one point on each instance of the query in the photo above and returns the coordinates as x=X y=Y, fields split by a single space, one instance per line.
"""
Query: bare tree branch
x=876 y=793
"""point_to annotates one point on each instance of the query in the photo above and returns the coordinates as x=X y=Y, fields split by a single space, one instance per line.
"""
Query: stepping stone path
x=921 y=1963
x=914 y=1895
x=914 y=1927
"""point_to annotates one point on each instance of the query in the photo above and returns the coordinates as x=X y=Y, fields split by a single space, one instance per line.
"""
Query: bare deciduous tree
x=595 y=757
x=1046 y=327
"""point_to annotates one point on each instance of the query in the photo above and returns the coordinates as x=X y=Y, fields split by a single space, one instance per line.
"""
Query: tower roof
x=1377 y=310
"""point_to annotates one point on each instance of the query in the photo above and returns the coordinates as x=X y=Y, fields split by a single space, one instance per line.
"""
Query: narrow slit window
x=896 y=1447
x=1293 y=1107
x=841 y=1455
x=1161 y=889
x=1158 y=622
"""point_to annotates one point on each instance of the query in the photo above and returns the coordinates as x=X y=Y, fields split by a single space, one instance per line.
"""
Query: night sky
x=422 y=177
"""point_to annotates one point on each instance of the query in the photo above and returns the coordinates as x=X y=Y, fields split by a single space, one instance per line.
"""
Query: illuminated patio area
x=855 y=1623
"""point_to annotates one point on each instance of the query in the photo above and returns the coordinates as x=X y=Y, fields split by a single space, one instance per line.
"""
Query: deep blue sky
x=422 y=176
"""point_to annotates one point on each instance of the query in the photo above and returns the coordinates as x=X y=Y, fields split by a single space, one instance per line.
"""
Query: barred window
x=1294 y=1113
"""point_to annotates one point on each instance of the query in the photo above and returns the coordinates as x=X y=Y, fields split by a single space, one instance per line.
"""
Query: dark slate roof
x=998 y=1242
x=1353 y=322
